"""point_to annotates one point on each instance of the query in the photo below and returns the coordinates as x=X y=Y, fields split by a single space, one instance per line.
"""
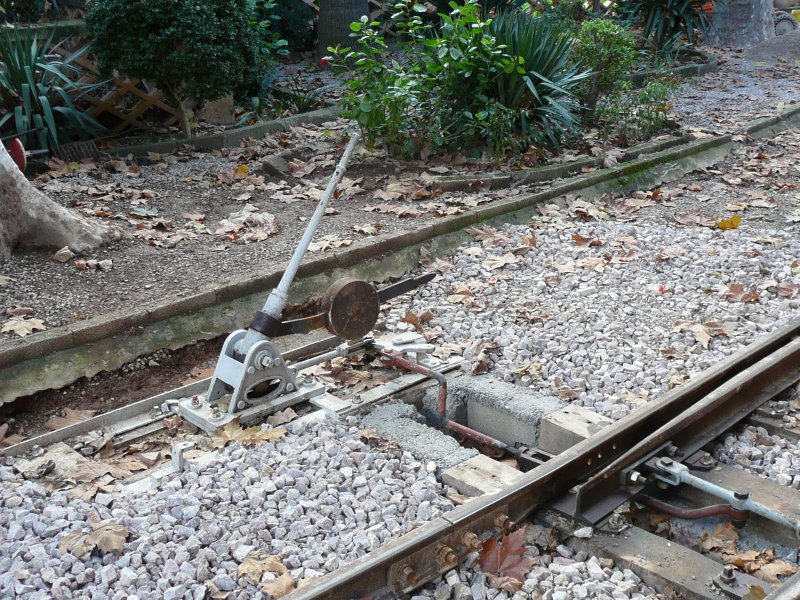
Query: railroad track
x=595 y=477
x=647 y=457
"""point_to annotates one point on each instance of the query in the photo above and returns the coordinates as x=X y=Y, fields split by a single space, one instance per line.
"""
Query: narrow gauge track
x=593 y=478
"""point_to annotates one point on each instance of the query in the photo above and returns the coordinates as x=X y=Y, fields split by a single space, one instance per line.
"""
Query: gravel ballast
x=317 y=499
x=619 y=297
x=558 y=573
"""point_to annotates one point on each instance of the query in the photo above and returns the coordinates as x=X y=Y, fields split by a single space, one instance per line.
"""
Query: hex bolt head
x=728 y=574
x=741 y=494
x=666 y=461
x=289 y=387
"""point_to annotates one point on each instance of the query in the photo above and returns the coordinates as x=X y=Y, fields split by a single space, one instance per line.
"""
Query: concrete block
x=480 y=475
x=507 y=412
x=567 y=426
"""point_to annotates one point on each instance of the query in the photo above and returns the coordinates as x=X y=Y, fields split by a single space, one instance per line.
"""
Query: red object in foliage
x=324 y=62
x=17 y=152
x=704 y=7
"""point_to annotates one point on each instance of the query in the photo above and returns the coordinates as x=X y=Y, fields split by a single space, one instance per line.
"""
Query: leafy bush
x=265 y=21
x=460 y=84
x=634 y=115
x=201 y=50
x=21 y=11
x=609 y=51
x=544 y=93
x=296 y=23
x=40 y=93
x=663 y=19
x=565 y=16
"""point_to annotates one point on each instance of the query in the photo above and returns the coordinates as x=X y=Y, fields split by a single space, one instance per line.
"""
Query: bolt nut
x=290 y=387
x=446 y=556
x=196 y=401
x=741 y=494
x=408 y=575
x=471 y=541
x=505 y=524
x=636 y=478
x=728 y=574
x=666 y=461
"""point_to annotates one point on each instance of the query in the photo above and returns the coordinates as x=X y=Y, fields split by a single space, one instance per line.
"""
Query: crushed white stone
x=317 y=499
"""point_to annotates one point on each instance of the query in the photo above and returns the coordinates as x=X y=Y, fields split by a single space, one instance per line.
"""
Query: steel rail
x=699 y=422
x=403 y=564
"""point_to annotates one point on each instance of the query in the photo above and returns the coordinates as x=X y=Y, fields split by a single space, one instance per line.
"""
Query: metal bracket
x=673 y=473
x=262 y=365
x=736 y=584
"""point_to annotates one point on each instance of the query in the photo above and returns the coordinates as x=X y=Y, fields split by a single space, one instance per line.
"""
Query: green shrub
x=459 y=85
x=609 y=51
x=663 y=19
x=631 y=115
x=21 y=11
x=40 y=93
x=543 y=94
x=187 y=48
x=565 y=16
x=296 y=23
x=265 y=21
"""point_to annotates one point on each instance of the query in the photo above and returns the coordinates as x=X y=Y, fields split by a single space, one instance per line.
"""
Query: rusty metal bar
x=379 y=569
x=693 y=513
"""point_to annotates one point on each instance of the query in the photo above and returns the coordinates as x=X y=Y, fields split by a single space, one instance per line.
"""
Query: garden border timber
x=55 y=358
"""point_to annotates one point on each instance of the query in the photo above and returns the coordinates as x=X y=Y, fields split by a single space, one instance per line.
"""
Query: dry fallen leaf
x=22 y=326
x=417 y=320
x=498 y=262
x=283 y=585
x=506 y=557
x=256 y=563
x=461 y=293
x=4 y=280
x=737 y=293
x=71 y=416
x=233 y=432
x=731 y=222
x=106 y=536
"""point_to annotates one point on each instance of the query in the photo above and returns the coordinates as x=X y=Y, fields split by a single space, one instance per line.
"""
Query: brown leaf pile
x=760 y=563
x=251 y=436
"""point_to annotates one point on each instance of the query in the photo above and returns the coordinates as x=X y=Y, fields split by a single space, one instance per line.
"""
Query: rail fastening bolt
x=741 y=494
x=408 y=576
x=471 y=541
x=196 y=401
x=446 y=556
x=666 y=461
x=728 y=574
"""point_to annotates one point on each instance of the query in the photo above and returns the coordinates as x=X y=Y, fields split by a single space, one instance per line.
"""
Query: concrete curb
x=60 y=356
x=230 y=138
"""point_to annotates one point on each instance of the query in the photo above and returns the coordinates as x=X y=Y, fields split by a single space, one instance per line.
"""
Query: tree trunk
x=743 y=23
x=335 y=17
x=29 y=218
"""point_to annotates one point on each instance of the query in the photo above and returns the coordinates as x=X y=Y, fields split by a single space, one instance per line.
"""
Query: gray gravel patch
x=404 y=425
x=317 y=500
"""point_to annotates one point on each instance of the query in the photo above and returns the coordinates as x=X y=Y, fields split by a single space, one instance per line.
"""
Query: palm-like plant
x=543 y=89
x=38 y=95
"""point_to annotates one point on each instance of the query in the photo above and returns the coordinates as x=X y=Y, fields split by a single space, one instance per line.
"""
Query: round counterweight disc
x=351 y=308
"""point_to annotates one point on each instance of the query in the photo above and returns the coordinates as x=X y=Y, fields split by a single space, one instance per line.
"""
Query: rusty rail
x=408 y=562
